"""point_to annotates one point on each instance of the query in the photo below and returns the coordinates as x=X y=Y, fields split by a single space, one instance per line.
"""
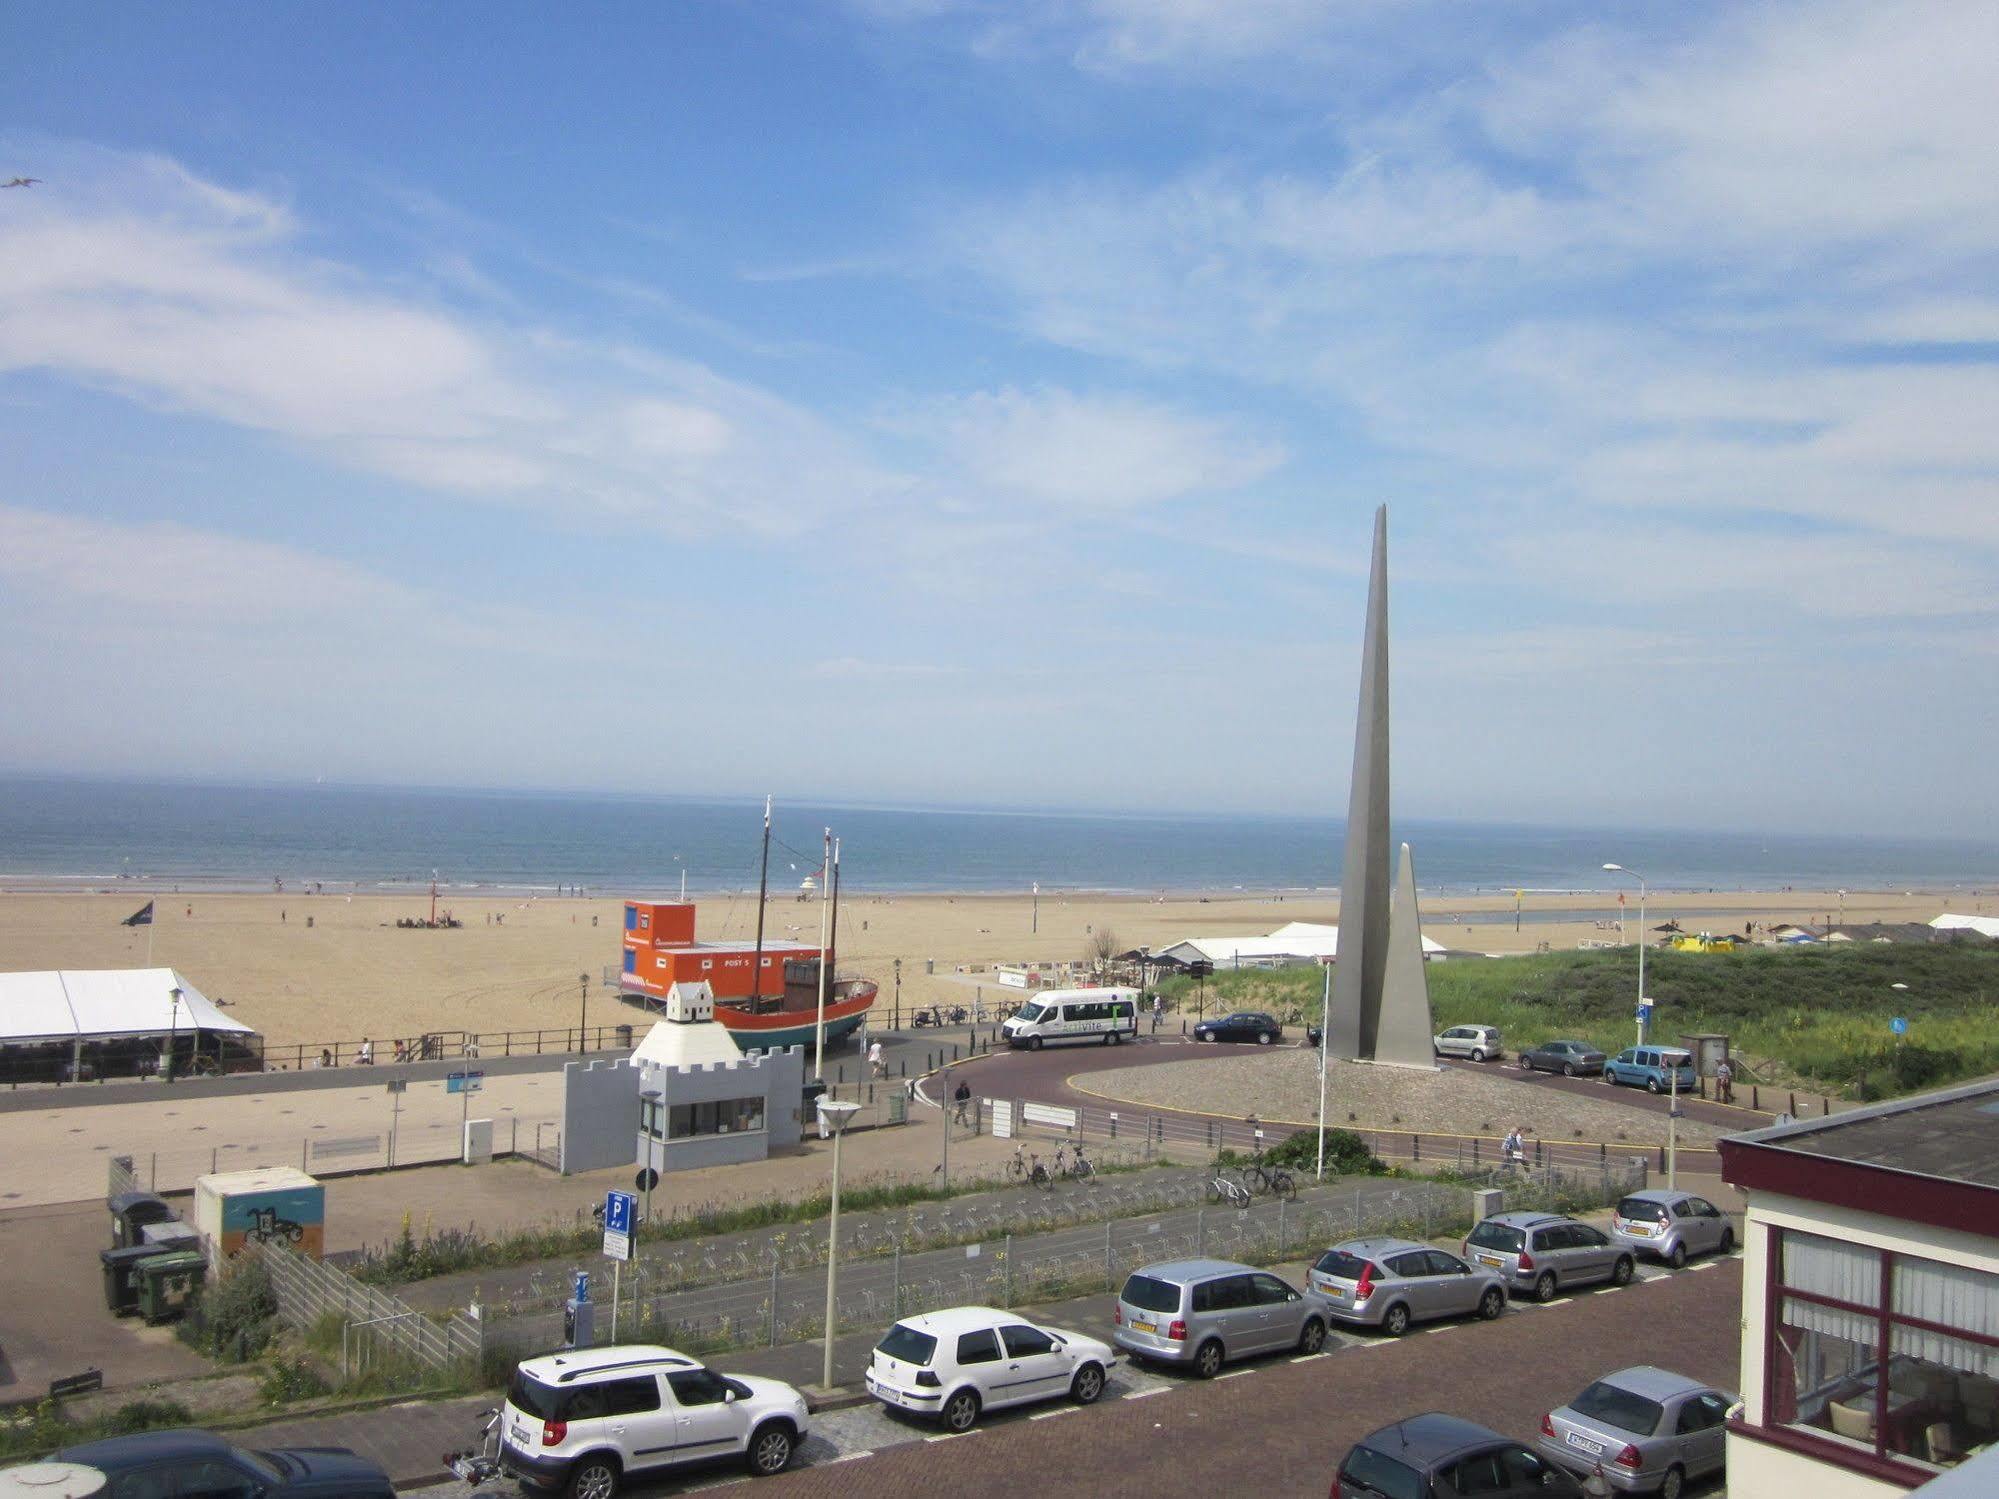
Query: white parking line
x=847 y=1457
x=1306 y=1358
x=1606 y=1290
x=1158 y=1389
x=1233 y=1374
x=952 y=1436
x=1066 y=1410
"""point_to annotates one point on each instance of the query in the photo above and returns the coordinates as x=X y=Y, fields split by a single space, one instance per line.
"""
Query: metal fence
x=175 y=1168
x=376 y=1328
x=880 y=1283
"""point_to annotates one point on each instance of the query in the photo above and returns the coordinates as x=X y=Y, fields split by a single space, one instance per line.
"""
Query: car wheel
x=1568 y=1069
x=1622 y=1271
x=1313 y=1338
x=1674 y=1484
x=1208 y=1359
x=1727 y=1241
x=1117 y=1038
x=1264 y=1038
x=1034 y=1043
x=961 y=1410
x=1395 y=1321
x=1544 y=1288
x=1651 y=1085
x=1478 y=1053
x=595 y=1477
x=1678 y=1258
x=1492 y=1304
x=1525 y=1065
x=770 y=1449
x=1087 y=1385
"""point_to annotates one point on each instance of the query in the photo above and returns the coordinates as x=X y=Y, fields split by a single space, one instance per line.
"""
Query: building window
x=1887 y=1355
x=728 y=1116
x=707 y=963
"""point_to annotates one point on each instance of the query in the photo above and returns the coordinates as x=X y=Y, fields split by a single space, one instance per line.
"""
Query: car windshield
x=1341 y=1265
x=1643 y=1209
x=1030 y=1011
x=1365 y=1468
x=1605 y=1402
x=544 y=1402
x=1150 y=1295
x=909 y=1345
x=1497 y=1236
x=266 y=1463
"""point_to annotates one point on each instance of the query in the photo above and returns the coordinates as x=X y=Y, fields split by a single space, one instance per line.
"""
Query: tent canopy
x=104 y=1004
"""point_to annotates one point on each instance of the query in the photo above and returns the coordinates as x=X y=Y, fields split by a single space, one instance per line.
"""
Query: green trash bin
x=121 y=1276
x=169 y=1283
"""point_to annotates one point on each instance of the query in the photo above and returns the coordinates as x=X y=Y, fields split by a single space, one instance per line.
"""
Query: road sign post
x=617 y=1245
x=464 y=1084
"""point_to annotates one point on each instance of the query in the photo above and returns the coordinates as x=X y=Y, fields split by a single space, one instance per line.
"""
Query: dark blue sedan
x=200 y=1465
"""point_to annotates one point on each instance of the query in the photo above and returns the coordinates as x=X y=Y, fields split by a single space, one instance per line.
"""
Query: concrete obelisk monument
x=1366 y=980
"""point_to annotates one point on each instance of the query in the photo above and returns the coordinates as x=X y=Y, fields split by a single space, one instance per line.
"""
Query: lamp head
x=836 y=1113
x=1617 y=867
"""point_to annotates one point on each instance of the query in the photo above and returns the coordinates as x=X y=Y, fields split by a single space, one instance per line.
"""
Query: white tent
x=1985 y=926
x=102 y=1005
x=1299 y=942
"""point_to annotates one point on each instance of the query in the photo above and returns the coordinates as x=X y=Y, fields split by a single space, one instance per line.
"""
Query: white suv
x=952 y=1364
x=585 y=1420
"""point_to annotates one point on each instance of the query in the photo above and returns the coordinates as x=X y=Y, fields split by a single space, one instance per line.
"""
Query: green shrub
x=1346 y=1154
x=135 y=1416
x=236 y=1317
x=289 y=1379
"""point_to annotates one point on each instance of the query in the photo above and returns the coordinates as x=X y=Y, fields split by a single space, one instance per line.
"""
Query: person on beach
x=402 y=1051
x=365 y=1057
x=326 y=1056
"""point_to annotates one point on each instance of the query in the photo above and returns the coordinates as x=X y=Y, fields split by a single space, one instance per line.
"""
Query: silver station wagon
x=1390 y=1283
x=1540 y=1253
x=1203 y=1313
x=1644 y=1429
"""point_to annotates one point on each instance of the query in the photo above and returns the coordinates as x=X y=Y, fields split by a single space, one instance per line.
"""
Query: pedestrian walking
x=1724 y=1082
x=963 y=1099
x=366 y=1055
x=876 y=1066
x=1514 y=1148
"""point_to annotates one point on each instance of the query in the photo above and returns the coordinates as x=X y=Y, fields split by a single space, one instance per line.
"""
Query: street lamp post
x=1325 y=1045
x=651 y=1126
x=173 y=1028
x=834 y=1115
x=583 y=1014
x=898 y=994
x=1620 y=869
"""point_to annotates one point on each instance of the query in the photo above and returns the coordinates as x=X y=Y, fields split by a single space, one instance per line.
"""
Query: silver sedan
x=1643 y=1429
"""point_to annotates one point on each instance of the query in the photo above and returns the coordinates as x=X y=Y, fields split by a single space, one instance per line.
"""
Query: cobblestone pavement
x=1275 y=1427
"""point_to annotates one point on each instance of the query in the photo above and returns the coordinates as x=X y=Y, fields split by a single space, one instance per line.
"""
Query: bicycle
x=1224 y=1189
x=1274 y=1180
x=1084 y=1168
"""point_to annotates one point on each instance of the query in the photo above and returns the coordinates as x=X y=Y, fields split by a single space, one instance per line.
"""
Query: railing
x=373 y=1321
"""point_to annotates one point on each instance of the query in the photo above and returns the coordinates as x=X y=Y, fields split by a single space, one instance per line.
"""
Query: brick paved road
x=1278 y=1428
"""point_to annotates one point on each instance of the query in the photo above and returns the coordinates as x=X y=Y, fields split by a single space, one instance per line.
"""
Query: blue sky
x=950 y=401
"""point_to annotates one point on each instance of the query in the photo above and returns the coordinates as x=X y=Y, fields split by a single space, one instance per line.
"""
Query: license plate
x=1490 y=1259
x=1138 y=1326
x=520 y=1435
x=1643 y=1230
x=1594 y=1449
x=1339 y=1291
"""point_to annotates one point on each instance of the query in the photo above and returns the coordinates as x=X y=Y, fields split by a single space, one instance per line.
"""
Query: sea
x=104 y=834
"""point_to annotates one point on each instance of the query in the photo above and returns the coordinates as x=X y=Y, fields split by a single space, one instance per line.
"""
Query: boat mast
x=763 y=892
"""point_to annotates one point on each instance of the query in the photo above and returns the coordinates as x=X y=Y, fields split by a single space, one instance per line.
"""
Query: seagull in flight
x=22 y=182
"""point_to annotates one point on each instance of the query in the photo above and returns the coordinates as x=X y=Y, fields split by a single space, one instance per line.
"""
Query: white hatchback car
x=1482 y=1043
x=586 y=1420
x=952 y=1364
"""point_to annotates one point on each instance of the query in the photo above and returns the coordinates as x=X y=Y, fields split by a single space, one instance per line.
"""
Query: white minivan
x=1107 y=1016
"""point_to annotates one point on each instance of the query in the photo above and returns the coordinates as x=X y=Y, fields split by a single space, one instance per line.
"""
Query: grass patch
x=44 y=1427
x=1812 y=1017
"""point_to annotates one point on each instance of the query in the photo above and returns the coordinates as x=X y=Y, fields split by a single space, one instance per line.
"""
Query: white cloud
x=1095 y=452
x=144 y=279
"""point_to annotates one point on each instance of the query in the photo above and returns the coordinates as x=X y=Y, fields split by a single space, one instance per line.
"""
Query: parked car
x=1570 y=1058
x=1482 y=1043
x=1390 y=1283
x=1202 y=1313
x=950 y=1365
x=586 y=1420
x=1538 y=1254
x=1439 y=1455
x=1244 y=1025
x=1670 y=1225
x=1644 y=1429
x=1651 y=1068
x=199 y=1462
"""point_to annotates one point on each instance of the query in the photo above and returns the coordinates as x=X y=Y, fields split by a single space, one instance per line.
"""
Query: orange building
x=660 y=951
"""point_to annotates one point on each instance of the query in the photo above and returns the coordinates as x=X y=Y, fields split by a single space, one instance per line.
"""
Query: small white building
x=1296 y=942
x=1870 y=1300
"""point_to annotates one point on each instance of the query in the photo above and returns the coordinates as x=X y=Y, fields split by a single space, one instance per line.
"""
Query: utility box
x=121 y=1276
x=1709 y=1051
x=267 y=1205
x=131 y=1212
x=1486 y=1202
x=170 y=1283
x=478 y=1142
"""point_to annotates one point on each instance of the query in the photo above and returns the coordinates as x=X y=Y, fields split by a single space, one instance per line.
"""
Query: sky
x=954 y=401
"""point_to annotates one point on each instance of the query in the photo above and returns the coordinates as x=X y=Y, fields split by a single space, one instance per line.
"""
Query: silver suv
x=1539 y=1253
x=586 y=1420
x=1205 y=1312
x=1389 y=1283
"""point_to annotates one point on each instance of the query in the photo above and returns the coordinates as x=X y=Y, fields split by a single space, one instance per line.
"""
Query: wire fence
x=176 y=1167
x=880 y=1281
x=376 y=1327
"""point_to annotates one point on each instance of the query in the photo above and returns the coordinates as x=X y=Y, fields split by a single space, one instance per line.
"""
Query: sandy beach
x=324 y=968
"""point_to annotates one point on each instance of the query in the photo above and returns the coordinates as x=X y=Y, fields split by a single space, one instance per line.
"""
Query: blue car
x=200 y=1463
x=1651 y=1068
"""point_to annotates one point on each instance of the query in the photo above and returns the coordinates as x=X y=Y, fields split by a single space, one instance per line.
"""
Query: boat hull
x=775 y=1029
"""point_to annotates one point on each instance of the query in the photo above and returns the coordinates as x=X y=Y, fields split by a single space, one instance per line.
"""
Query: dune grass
x=1810 y=1017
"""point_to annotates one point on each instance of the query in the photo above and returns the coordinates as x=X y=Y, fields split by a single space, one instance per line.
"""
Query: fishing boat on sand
x=766 y=992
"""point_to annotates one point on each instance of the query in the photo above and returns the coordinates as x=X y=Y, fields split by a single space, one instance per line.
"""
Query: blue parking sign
x=618 y=1212
x=1899 y=1025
